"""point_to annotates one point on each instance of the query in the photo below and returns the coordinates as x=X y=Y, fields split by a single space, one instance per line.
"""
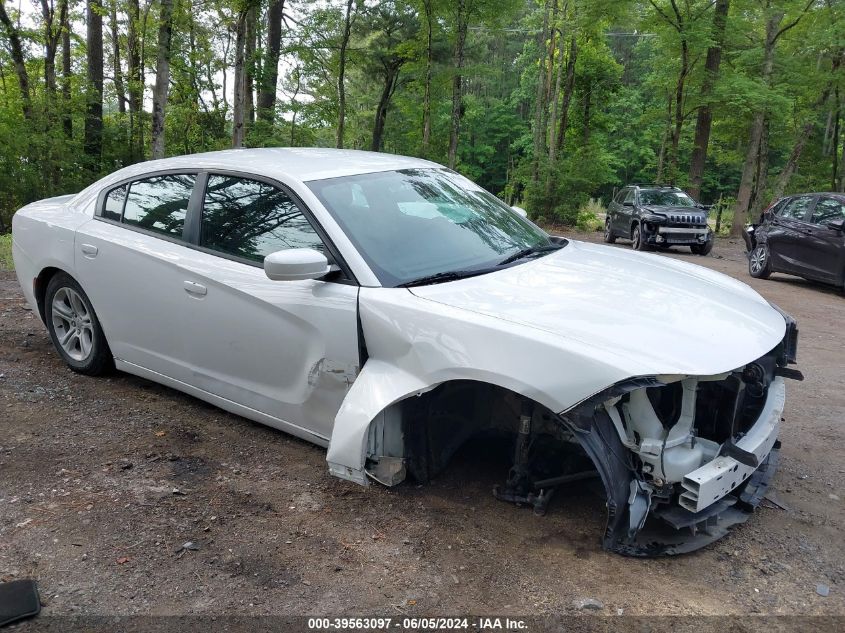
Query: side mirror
x=837 y=225
x=628 y=203
x=296 y=264
x=520 y=211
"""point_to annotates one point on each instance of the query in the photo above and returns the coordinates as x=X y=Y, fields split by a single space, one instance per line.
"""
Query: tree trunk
x=270 y=68
x=429 y=56
x=704 y=120
x=239 y=87
x=555 y=98
x=341 y=87
x=391 y=77
x=93 y=143
x=679 y=108
x=162 y=83
x=568 y=90
x=67 y=71
x=457 y=82
x=801 y=141
x=135 y=86
x=841 y=186
x=758 y=199
x=749 y=166
x=249 y=67
x=52 y=34
x=115 y=48
x=540 y=95
x=18 y=59
x=835 y=166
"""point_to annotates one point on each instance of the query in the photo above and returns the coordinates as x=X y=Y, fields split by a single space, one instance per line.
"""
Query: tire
x=609 y=237
x=759 y=262
x=637 y=242
x=702 y=249
x=74 y=328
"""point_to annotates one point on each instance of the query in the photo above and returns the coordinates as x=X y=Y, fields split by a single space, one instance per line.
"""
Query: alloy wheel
x=72 y=324
x=758 y=259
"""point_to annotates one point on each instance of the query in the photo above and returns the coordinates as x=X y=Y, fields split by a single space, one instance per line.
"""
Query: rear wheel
x=702 y=249
x=608 y=233
x=759 y=262
x=637 y=240
x=74 y=327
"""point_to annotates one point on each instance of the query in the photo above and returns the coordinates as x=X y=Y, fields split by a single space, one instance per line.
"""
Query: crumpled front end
x=685 y=458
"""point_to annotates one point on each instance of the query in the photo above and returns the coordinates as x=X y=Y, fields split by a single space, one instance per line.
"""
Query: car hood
x=654 y=314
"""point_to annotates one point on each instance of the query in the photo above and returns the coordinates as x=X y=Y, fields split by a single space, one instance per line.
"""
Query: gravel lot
x=102 y=481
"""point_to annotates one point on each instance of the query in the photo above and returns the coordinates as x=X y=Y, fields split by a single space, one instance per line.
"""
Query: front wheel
x=637 y=240
x=608 y=233
x=759 y=262
x=74 y=327
x=702 y=249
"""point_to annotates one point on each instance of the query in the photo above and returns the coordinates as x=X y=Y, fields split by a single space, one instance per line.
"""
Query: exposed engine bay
x=681 y=458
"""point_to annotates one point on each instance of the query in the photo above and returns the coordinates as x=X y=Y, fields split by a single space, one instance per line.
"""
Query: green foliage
x=589 y=217
x=6 y=262
x=619 y=121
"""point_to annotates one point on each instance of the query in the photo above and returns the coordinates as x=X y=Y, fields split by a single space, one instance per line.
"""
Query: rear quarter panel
x=43 y=236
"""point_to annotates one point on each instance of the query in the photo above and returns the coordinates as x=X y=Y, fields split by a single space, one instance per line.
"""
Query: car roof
x=300 y=163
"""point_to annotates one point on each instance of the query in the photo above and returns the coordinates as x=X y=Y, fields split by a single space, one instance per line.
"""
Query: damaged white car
x=390 y=309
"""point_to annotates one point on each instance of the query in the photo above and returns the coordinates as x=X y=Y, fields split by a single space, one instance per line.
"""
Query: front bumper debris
x=712 y=481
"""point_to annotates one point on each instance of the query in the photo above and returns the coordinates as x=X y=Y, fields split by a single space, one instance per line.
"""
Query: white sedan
x=389 y=309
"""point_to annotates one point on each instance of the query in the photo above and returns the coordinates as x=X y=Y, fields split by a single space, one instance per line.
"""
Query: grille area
x=686 y=219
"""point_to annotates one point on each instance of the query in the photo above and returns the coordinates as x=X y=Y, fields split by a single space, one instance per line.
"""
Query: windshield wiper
x=527 y=252
x=448 y=275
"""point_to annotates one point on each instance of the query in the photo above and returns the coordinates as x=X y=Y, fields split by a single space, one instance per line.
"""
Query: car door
x=287 y=349
x=786 y=231
x=128 y=261
x=613 y=209
x=822 y=254
x=625 y=213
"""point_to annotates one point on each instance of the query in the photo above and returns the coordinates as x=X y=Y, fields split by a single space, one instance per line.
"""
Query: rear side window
x=159 y=203
x=827 y=210
x=113 y=209
x=796 y=208
x=251 y=219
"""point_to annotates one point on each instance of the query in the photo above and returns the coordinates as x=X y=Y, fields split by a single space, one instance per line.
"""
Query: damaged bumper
x=717 y=478
x=670 y=489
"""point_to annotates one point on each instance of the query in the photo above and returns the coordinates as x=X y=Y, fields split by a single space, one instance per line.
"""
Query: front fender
x=379 y=385
x=415 y=345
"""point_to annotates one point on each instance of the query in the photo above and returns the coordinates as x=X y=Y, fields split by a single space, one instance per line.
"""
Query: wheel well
x=633 y=225
x=419 y=435
x=39 y=288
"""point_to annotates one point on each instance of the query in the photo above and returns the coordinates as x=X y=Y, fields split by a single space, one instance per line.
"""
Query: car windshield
x=413 y=224
x=665 y=199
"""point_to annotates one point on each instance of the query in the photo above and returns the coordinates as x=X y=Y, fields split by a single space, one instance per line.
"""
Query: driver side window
x=251 y=219
x=796 y=209
x=629 y=197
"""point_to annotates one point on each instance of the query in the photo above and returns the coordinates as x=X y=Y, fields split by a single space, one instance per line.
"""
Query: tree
x=94 y=89
x=162 y=82
x=270 y=68
x=756 y=157
x=704 y=119
x=16 y=50
x=341 y=75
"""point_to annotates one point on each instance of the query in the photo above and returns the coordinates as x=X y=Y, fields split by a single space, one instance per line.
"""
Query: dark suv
x=652 y=215
x=801 y=235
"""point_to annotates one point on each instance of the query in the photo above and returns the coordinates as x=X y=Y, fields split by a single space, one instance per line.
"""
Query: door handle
x=192 y=287
x=89 y=250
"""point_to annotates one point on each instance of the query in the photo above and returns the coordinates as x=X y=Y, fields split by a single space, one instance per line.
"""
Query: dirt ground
x=102 y=481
